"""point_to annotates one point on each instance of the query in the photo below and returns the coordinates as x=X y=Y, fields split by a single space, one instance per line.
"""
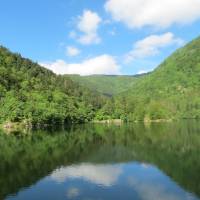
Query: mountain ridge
x=106 y=84
x=34 y=94
x=166 y=92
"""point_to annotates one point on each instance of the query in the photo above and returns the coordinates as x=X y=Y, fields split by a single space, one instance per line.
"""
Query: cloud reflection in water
x=105 y=175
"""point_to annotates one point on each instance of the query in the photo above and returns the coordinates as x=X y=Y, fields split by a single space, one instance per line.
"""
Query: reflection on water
x=103 y=175
x=117 y=181
x=94 y=162
x=141 y=181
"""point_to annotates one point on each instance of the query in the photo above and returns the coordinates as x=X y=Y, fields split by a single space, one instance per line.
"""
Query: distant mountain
x=171 y=91
x=106 y=84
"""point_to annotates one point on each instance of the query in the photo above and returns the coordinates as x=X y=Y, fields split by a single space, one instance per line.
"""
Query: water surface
x=101 y=162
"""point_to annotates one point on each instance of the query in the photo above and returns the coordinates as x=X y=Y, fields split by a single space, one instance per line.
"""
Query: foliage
x=35 y=95
x=169 y=92
x=106 y=84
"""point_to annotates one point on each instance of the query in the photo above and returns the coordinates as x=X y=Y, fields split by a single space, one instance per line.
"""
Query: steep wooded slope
x=171 y=91
x=33 y=94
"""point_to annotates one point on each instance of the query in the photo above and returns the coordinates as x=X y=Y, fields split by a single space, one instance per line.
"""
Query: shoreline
x=15 y=126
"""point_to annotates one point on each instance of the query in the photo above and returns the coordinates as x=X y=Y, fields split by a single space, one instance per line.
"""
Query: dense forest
x=32 y=94
x=109 y=85
x=171 y=91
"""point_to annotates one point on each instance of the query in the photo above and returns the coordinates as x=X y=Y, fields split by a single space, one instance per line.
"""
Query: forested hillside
x=34 y=95
x=172 y=91
x=106 y=84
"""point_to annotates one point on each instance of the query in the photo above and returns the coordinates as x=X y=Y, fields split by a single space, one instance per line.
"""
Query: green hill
x=171 y=91
x=106 y=84
x=32 y=94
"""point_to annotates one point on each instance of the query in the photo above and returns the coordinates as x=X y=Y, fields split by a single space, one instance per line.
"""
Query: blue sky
x=98 y=37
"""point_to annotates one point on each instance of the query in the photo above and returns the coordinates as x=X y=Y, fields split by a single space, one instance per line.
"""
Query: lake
x=158 y=161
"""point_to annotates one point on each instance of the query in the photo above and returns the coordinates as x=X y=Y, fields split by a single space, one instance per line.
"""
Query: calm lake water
x=101 y=162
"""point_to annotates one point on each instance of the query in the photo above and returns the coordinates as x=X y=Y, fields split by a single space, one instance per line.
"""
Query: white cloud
x=105 y=175
x=72 y=192
x=88 y=24
x=72 y=51
x=156 y=13
x=151 y=183
x=103 y=64
x=154 y=189
x=143 y=71
x=151 y=46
